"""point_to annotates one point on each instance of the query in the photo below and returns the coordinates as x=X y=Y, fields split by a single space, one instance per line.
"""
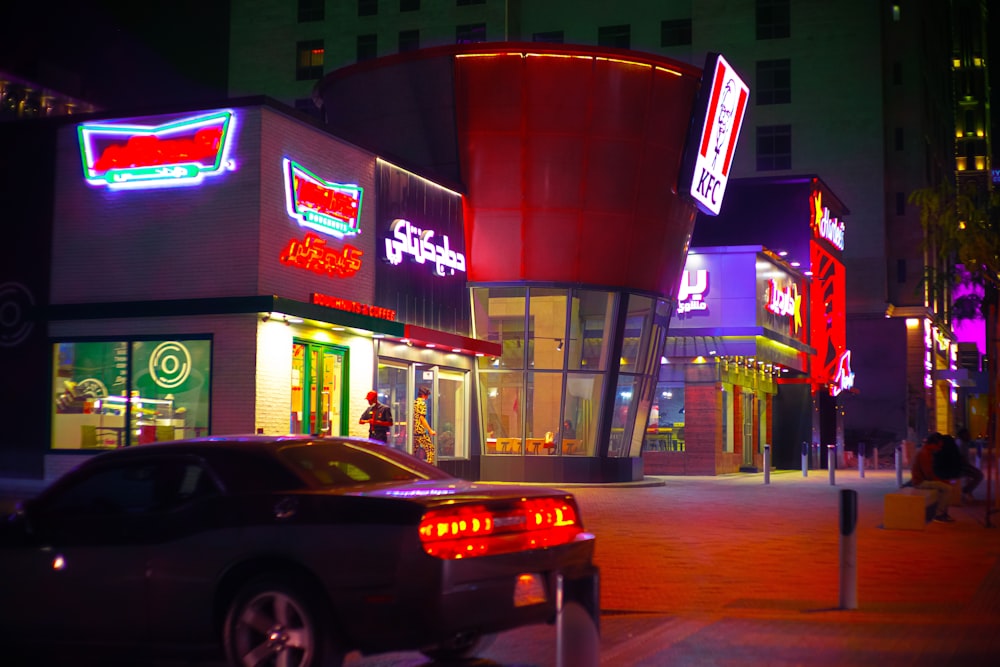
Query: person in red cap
x=378 y=417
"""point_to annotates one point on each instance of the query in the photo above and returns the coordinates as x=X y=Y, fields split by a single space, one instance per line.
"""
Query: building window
x=898 y=137
x=367 y=47
x=895 y=13
x=617 y=36
x=470 y=33
x=897 y=73
x=900 y=270
x=311 y=10
x=774 y=19
x=774 y=81
x=900 y=203
x=552 y=37
x=463 y=3
x=367 y=7
x=111 y=394
x=675 y=32
x=409 y=40
x=309 y=60
x=774 y=147
x=409 y=5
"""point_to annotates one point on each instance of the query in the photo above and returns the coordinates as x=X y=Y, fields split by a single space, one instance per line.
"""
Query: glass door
x=318 y=395
x=393 y=390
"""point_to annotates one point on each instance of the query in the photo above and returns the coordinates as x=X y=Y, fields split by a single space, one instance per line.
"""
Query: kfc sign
x=724 y=98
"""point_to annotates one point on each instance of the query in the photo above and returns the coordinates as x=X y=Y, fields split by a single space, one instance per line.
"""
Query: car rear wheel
x=457 y=648
x=274 y=622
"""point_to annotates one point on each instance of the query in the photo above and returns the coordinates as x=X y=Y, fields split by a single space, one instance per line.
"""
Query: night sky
x=120 y=53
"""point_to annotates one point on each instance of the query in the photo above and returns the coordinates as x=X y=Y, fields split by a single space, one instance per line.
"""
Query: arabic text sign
x=784 y=301
x=325 y=207
x=419 y=244
x=176 y=153
x=691 y=295
x=844 y=379
x=720 y=129
x=313 y=255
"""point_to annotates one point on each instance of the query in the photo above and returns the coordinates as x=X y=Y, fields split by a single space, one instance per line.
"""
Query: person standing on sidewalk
x=970 y=473
x=423 y=446
x=923 y=476
x=378 y=417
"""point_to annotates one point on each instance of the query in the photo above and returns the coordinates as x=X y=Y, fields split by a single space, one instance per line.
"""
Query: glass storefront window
x=392 y=391
x=499 y=316
x=119 y=393
x=546 y=328
x=590 y=330
x=666 y=419
x=542 y=417
x=452 y=429
x=636 y=338
x=580 y=413
x=501 y=397
x=622 y=416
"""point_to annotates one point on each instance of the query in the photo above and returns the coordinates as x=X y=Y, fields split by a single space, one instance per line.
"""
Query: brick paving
x=730 y=571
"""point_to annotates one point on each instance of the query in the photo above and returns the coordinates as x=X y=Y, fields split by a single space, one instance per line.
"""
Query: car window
x=346 y=464
x=133 y=488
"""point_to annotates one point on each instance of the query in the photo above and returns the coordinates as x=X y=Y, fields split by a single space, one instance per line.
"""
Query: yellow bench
x=908 y=508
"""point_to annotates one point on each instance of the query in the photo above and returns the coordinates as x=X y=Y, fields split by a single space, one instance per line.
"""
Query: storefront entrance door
x=317 y=389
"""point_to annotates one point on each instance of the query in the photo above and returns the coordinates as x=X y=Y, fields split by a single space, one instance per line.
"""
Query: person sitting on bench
x=923 y=476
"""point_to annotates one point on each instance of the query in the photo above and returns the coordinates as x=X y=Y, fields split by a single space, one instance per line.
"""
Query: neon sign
x=691 y=295
x=418 y=243
x=823 y=226
x=328 y=208
x=784 y=302
x=844 y=379
x=353 y=306
x=313 y=255
x=177 y=153
x=719 y=131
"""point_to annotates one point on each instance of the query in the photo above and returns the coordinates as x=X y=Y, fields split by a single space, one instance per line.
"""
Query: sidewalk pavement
x=731 y=571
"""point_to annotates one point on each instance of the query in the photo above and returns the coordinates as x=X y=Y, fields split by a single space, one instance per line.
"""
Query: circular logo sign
x=15 y=303
x=170 y=364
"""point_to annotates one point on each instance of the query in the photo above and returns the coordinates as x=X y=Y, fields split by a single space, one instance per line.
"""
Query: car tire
x=581 y=640
x=459 y=648
x=274 y=620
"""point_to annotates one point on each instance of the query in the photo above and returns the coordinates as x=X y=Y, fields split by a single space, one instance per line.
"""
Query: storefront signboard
x=824 y=225
x=718 y=118
x=353 y=306
x=180 y=152
x=784 y=301
x=844 y=379
x=328 y=208
x=313 y=255
x=691 y=297
x=408 y=239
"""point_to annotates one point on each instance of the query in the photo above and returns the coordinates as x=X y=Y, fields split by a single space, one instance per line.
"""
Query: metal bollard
x=848 y=549
x=767 y=464
x=831 y=463
x=805 y=458
x=560 y=622
x=861 y=460
x=899 y=466
x=875 y=458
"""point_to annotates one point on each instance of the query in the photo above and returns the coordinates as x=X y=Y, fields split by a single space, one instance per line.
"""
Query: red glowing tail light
x=467 y=531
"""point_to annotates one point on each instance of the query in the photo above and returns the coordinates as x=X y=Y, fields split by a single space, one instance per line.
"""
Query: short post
x=861 y=460
x=848 y=549
x=899 y=466
x=831 y=463
x=815 y=453
x=805 y=458
x=767 y=464
x=875 y=458
x=560 y=621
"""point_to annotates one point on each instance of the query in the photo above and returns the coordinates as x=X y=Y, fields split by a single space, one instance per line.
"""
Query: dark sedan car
x=287 y=551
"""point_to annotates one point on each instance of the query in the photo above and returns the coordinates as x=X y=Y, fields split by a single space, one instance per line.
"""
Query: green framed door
x=319 y=388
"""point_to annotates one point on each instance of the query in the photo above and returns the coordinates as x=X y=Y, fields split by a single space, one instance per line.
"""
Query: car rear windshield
x=336 y=464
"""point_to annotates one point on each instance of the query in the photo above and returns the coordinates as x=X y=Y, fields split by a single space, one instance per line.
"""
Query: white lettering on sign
x=690 y=296
x=844 y=379
x=409 y=240
x=824 y=226
x=727 y=103
x=785 y=302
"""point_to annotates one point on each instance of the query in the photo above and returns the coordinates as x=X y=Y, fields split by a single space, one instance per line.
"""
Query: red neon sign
x=844 y=379
x=322 y=206
x=313 y=255
x=353 y=306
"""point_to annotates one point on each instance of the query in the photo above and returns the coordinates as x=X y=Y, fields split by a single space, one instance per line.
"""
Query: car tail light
x=467 y=531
